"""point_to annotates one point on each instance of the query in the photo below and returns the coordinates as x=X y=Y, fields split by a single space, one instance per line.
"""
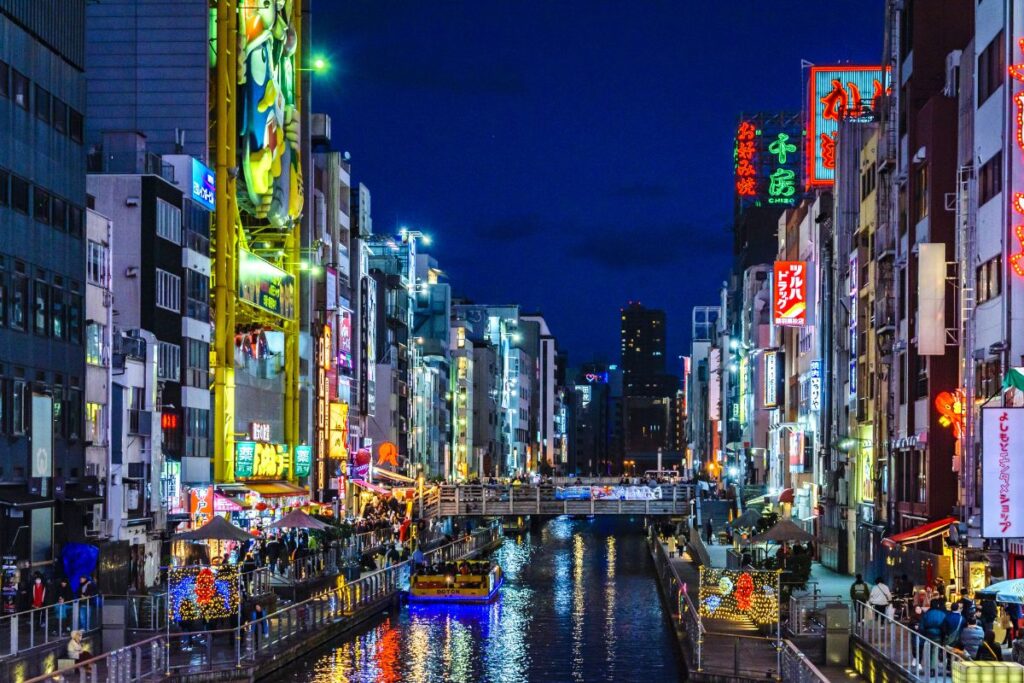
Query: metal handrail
x=916 y=655
x=796 y=668
x=802 y=609
x=40 y=626
x=151 y=659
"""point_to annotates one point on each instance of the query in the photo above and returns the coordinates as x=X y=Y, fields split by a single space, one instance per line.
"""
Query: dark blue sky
x=570 y=155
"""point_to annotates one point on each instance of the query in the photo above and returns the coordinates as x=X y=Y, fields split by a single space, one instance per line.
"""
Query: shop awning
x=276 y=489
x=925 y=532
x=374 y=488
x=394 y=476
x=222 y=503
x=21 y=499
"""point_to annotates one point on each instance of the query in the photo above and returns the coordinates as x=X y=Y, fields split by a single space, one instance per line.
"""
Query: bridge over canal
x=548 y=500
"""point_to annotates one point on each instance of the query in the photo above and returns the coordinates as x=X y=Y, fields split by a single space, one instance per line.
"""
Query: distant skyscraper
x=643 y=348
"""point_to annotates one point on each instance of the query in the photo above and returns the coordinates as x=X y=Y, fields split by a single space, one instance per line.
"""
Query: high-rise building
x=42 y=277
x=643 y=349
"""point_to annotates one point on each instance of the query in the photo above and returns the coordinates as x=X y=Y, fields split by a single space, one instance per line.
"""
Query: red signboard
x=789 y=293
x=1016 y=259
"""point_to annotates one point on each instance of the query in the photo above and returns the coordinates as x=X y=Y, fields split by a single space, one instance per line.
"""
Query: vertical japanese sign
x=836 y=93
x=814 y=387
x=322 y=358
x=766 y=160
x=201 y=505
x=771 y=379
x=1002 y=469
x=789 y=293
x=1016 y=259
x=42 y=436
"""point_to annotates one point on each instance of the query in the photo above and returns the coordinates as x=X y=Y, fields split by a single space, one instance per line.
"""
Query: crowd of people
x=963 y=624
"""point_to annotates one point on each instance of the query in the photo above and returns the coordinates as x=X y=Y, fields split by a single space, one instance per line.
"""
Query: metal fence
x=196 y=652
x=807 y=613
x=919 y=658
x=796 y=668
x=33 y=628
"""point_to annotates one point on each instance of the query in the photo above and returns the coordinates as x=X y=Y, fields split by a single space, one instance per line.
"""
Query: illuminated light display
x=789 y=293
x=766 y=160
x=259 y=460
x=836 y=93
x=1002 y=471
x=270 y=184
x=338 y=447
x=204 y=185
x=203 y=592
x=740 y=595
x=1016 y=259
x=814 y=386
x=322 y=356
x=345 y=340
x=950 y=405
x=168 y=420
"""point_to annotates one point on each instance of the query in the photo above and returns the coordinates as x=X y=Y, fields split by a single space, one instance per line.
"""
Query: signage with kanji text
x=258 y=460
x=789 y=293
x=303 y=460
x=766 y=160
x=837 y=93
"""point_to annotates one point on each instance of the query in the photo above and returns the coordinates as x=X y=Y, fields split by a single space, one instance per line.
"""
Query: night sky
x=570 y=155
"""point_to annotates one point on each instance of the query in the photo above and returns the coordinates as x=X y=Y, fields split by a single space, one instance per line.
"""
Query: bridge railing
x=807 y=613
x=33 y=628
x=501 y=500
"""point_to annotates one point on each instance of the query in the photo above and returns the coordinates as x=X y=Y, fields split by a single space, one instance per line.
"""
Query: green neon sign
x=781 y=147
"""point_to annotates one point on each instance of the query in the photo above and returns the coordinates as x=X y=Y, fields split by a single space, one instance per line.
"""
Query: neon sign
x=1016 y=260
x=837 y=93
x=950 y=405
x=258 y=460
x=771 y=379
x=789 y=294
x=766 y=159
x=746 y=151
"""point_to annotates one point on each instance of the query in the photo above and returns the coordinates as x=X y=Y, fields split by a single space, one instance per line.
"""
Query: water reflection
x=579 y=603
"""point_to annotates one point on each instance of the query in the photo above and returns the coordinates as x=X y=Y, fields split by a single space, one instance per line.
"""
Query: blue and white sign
x=204 y=185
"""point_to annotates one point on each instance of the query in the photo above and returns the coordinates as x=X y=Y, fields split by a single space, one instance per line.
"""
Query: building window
x=75 y=318
x=168 y=221
x=59 y=214
x=19 y=89
x=76 y=125
x=57 y=313
x=5 y=80
x=5 y=188
x=60 y=115
x=168 y=361
x=168 y=291
x=42 y=104
x=95 y=351
x=989 y=279
x=197 y=363
x=197 y=431
x=19 y=302
x=41 y=205
x=197 y=294
x=96 y=264
x=59 y=413
x=41 y=308
x=73 y=413
x=19 y=194
x=990 y=178
x=76 y=222
x=94 y=424
x=991 y=65
x=921 y=192
x=3 y=297
x=19 y=407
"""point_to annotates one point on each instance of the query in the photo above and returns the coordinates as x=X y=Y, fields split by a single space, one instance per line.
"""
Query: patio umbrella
x=1011 y=591
x=297 y=519
x=217 y=529
x=784 y=532
x=747 y=519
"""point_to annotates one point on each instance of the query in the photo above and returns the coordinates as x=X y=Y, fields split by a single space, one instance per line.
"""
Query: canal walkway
x=258 y=648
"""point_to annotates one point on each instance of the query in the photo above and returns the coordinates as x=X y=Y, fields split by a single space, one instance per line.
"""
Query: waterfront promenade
x=257 y=648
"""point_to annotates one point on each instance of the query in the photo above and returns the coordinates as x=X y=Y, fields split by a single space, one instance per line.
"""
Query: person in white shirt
x=880 y=597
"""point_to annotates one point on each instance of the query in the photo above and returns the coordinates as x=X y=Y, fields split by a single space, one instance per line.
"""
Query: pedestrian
x=709 y=530
x=987 y=613
x=989 y=651
x=971 y=637
x=65 y=596
x=1011 y=621
x=930 y=627
x=952 y=626
x=87 y=599
x=966 y=605
x=880 y=597
x=39 y=594
x=260 y=626
x=859 y=591
x=75 y=645
x=904 y=587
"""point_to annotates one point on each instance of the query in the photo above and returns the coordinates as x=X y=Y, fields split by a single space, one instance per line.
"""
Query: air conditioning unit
x=92 y=469
x=952 y=86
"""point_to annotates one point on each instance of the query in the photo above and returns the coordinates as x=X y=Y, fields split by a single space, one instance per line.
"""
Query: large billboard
x=836 y=93
x=767 y=160
x=789 y=293
x=1002 y=470
x=265 y=286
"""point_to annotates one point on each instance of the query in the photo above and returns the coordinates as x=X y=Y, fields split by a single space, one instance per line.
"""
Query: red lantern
x=261 y=506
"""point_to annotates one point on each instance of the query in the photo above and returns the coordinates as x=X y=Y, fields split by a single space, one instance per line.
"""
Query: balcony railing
x=130 y=163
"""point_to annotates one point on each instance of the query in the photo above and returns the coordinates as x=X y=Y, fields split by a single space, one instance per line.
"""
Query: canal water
x=579 y=603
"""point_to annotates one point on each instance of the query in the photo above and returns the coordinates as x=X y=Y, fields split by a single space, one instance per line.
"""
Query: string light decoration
x=1016 y=259
x=199 y=592
x=734 y=595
